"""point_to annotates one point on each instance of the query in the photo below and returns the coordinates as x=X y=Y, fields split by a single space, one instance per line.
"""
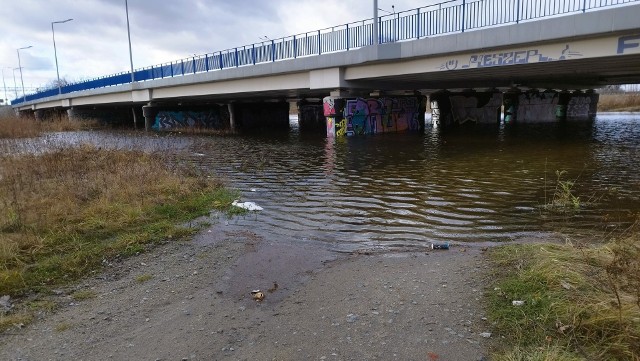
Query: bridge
x=471 y=56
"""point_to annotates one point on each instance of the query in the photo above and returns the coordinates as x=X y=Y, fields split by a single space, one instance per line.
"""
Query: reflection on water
x=408 y=190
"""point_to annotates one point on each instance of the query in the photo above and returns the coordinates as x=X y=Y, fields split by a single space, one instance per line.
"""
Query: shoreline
x=196 y=304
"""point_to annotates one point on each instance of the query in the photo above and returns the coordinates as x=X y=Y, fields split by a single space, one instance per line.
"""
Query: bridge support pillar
x=266 y=115
x=232 y=117
x=39 y=114
x=537 y=107
x=360 y=116
x=311 y=116
x=149 y=112
x=71 y=114
x=440 y=108
x=332 y=109
x=582 y=106
x=476 y=107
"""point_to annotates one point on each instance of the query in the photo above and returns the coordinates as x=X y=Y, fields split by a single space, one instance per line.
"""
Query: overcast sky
x=95 y=43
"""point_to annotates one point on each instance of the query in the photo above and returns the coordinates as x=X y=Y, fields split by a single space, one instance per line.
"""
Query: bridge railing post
x=273 y=50
x=171 y=64
x=347 y=32
x=517 y=11
x=237 y=65
x=221 y=64
x=253 y=53
x=206 y=62
x=319 y=44
x=463 y=15
x=182 y=66
x=584 y=6
x=194 y=64
x=418 y=23
x=295 y=47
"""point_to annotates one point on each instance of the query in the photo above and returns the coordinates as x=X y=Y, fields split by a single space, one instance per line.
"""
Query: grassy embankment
x=581 y=302
x=619 y=102
x=63 y=212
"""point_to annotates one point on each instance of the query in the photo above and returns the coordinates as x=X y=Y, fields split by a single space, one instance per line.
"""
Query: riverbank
x=191 y=300
x=619 y=102
x=69 y=211
x=570 y=301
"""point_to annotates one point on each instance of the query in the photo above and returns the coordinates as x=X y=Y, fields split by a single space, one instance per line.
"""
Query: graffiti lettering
x=628 y=42
x=508 y=58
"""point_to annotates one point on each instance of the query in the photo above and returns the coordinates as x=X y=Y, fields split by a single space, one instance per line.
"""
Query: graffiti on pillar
x=329 y=106
x=184 y=119
x=373 y=116
x=341 y=128
x=578 y=107
x=331 y=127
x=476 y=108
x=537 y=107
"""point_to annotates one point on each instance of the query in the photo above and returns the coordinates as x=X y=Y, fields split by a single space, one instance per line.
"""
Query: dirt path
x=326 y=306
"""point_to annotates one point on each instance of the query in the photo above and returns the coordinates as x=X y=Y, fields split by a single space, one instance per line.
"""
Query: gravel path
x=319 y=305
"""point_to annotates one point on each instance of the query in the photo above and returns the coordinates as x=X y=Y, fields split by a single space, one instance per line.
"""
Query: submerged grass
x=65 y=213
x=580 y=303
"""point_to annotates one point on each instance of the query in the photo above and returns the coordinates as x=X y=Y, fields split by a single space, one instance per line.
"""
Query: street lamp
x=126 y=7
x=55 y=53
x=15 y=86
x=5 y=84
x=24 y=96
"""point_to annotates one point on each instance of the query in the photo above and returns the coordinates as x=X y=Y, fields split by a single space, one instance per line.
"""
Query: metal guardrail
x=448 y=17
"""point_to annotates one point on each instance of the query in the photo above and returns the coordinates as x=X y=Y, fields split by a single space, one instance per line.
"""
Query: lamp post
x=376 y=41
x=126 y=6
x=15 y=86
x=24 y=96
x=4 y=84
x=55 y=53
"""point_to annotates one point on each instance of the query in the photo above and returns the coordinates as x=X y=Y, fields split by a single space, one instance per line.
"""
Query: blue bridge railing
x=448 y=17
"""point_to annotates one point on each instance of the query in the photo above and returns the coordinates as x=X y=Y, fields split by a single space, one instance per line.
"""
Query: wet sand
x=319 y=305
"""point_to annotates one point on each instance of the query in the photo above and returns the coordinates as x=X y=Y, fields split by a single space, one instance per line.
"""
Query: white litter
x=250 y=206
x=517 y=303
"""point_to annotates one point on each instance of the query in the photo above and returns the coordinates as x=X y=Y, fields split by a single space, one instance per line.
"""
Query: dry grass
x=62 y=214
x=12 y=127
x=622 y=102
x=580 y=302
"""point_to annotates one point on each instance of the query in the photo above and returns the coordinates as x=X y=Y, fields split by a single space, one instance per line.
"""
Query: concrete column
x=440 y=108
x=537 y=107
x=149 y=112
x=471 y=107
x=135 y=118
x=311 y=116
x=232 y=117
x=71 y=113
x=39 y=114
x=510 y=104
x=582 y=106
x=332 y=109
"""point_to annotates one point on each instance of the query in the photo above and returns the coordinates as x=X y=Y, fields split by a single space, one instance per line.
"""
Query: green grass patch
x=580 y=303
x=144 y=278
x=82 y=295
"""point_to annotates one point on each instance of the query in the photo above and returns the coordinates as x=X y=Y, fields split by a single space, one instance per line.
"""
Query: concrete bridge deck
x=578 y=51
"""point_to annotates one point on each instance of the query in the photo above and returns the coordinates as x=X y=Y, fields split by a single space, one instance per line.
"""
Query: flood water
x=408 y=190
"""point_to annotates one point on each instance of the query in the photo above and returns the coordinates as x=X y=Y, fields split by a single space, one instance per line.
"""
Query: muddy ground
x=191 y=301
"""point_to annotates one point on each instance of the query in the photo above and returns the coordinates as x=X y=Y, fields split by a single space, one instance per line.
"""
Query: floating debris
x=250 y=206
